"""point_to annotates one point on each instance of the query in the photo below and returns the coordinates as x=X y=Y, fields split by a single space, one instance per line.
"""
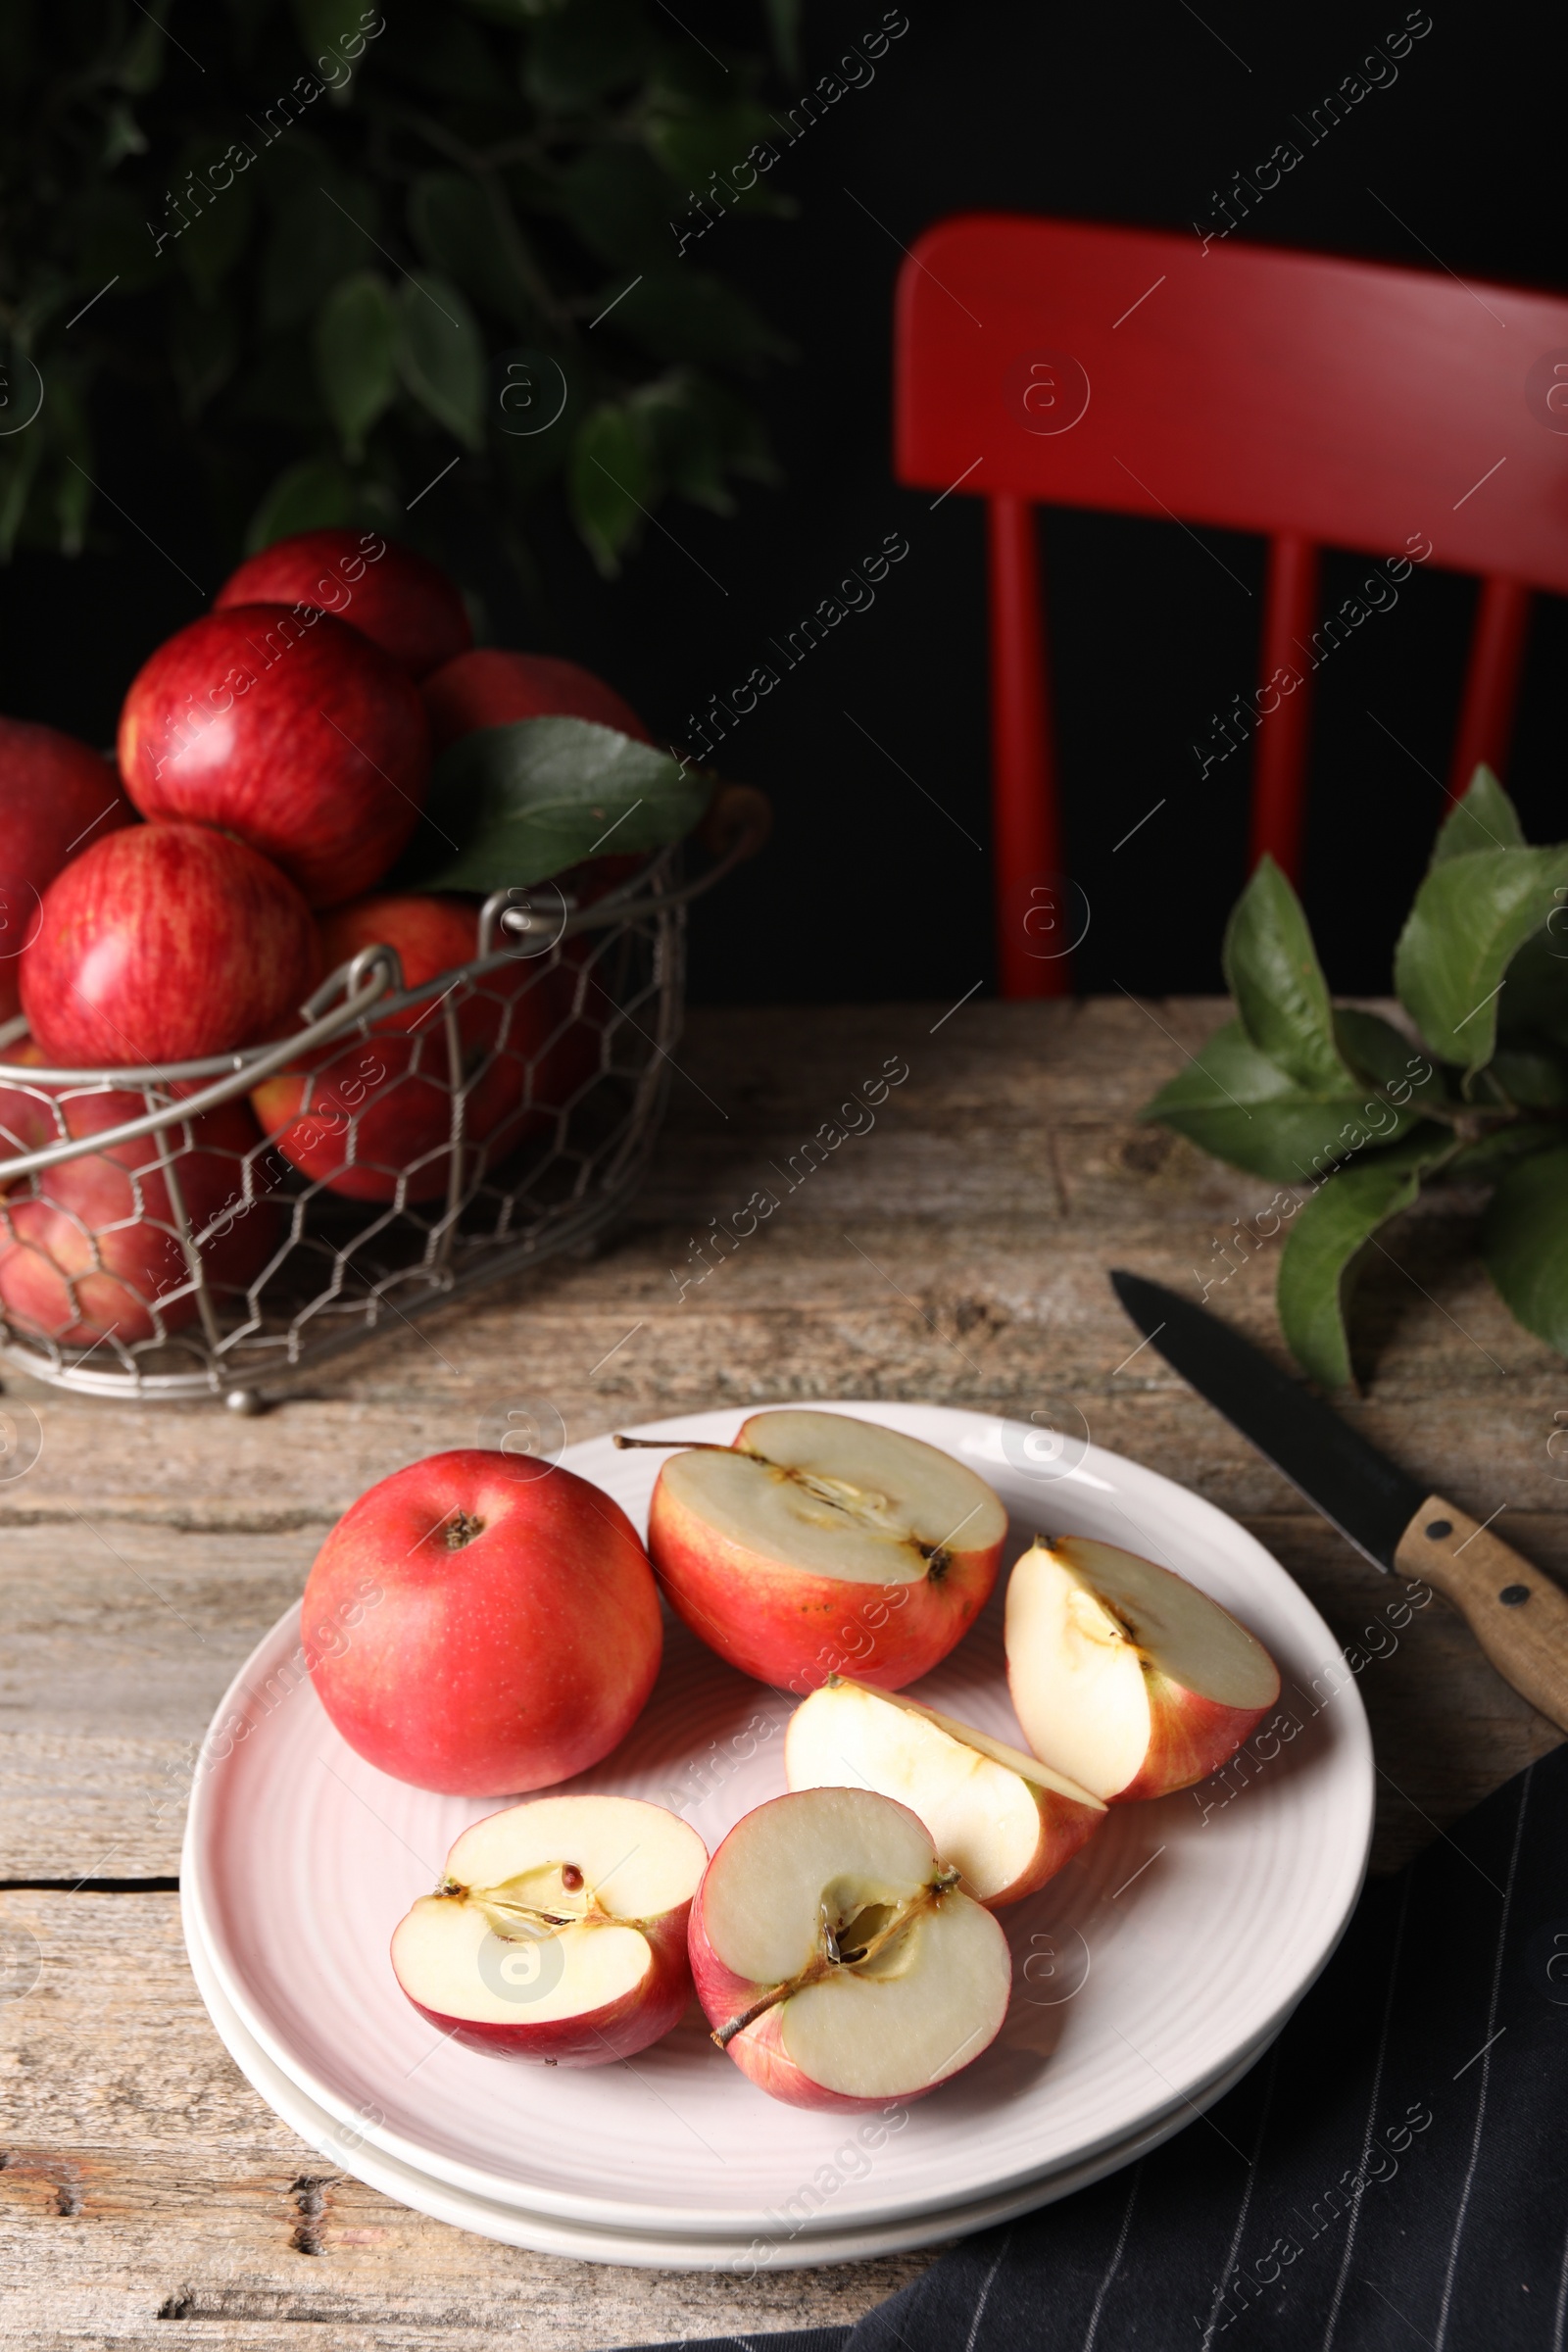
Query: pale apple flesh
x=1005 y=1820
x=838 y=1962
x=818 y=1543
x=1123 y=1674
x=559 y=1932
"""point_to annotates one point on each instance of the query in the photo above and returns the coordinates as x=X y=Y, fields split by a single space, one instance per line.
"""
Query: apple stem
x=830 y=1960
x=686 y=1445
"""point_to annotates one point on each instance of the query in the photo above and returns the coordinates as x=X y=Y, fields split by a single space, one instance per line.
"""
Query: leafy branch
x=1314 y=1094
x=330 y=249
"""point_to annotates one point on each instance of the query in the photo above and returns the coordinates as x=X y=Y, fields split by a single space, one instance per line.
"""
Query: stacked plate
x=1147 y=1975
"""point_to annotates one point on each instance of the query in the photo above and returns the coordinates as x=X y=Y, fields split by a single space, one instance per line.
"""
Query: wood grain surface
x=956 y=1249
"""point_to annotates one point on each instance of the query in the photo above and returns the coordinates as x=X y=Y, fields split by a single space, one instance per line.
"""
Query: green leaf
x=441 y=356
x=1382 y=1054
x=1272 y=969
x=701 y=431
x=1234 y=1101
x=1531 y=1077
x=1523 y=1241
x=524 y=802
x=1471 y=915
x=322 y=29
x=682 y=314
x=456 y=230
x=583 y=52
x=356 y=356
x=325 y=229
x=306 y=497
x=1484 y=818
x=784 y=20
x=620 y=204
x=608 y=482
x=1484 y=1162
x=1534 y=1005
x=700 y=141
x=1329 y=1237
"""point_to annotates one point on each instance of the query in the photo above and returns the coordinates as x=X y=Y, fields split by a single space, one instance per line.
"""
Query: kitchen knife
x=1517 y=1614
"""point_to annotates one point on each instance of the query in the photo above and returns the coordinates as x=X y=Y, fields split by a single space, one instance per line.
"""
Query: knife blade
x=1518 y=1615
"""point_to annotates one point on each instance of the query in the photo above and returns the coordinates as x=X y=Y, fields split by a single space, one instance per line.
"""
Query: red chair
x=1319 y=402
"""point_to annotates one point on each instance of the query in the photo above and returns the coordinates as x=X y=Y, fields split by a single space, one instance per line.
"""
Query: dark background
x=872 y=890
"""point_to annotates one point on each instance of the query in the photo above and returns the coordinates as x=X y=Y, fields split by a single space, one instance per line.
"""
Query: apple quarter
x=1006 y=1820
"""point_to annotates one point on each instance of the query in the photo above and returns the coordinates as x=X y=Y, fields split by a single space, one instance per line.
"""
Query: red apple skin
x=1064 y=1830
x=398 y=599
x=55 y=796
x=498 y=1668
x=55 y=1282
x=489 y=688
x=595 y=2037
x=291 y=731
x=759 y=2051
x=398 y=1084
x=786 y=1627
x=165 y=943
x=1189 y=1738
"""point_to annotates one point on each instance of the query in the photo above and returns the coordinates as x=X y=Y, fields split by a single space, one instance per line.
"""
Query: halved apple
x=838 y=1962
x=559 y=1932
x=1006 y=1821
x=1124 y=1675
x=817 y=1542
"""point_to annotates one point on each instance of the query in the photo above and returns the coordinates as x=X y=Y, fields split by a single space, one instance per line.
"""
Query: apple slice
x=838 y=1960
x=1008 y=1822
x=559 y=1932
x=817 y=1542
x=1124 y=1675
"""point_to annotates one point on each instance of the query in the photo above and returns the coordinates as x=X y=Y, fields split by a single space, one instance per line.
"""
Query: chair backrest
x=1406 y=414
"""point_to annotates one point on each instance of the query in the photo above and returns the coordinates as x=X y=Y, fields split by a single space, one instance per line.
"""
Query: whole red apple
x=399 y=600
x=163 y=944
x=91 y=1248
x=489 y=688
x=379 y=1109
x=516 y=1634
x=290 y=730
x=55 y=796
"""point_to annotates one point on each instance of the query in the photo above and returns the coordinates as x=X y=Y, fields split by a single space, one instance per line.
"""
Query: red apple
x=401 y=600
x=1124 y=1675
x=165 y=943
x=559 y=1931
x=517 y=1637
x=378 y=1109
x=838 y=1960
x=489 y=688
x=55 y=796
x=291 y=731
x=91 y=1247
x=818 y=1543
x=1008 y=1821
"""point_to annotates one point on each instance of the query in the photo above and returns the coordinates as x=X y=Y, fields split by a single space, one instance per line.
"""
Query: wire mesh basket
x=156 y=1243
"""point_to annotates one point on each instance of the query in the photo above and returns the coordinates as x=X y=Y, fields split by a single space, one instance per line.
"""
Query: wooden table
x=955 y=1251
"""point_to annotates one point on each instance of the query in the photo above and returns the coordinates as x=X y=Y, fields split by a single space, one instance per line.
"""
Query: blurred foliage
x=338 y=249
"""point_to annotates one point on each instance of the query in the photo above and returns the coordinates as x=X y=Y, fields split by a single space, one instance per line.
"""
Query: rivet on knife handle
x=1518 y=1615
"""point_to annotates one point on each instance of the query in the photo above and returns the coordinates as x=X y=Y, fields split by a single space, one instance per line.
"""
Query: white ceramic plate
x=349 y=2152
x=1178 y=1941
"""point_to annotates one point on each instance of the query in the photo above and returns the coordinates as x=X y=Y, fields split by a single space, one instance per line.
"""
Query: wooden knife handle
x=1518 y=1615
